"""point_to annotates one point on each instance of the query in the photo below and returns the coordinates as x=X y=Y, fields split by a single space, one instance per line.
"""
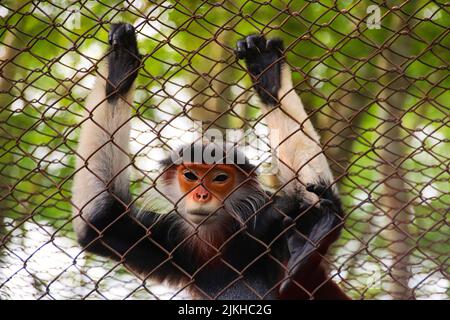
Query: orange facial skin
x=205 y=185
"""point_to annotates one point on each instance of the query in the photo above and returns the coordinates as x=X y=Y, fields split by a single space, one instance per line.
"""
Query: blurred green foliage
x=341 y=71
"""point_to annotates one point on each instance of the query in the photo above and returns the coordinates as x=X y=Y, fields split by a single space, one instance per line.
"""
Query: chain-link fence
x=373 y=76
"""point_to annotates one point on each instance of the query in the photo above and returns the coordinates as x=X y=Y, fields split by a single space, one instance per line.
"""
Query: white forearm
x=294 y=140
x=102 y=154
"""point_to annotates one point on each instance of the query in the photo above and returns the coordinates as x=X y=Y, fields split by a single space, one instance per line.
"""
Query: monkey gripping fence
x=373 y=76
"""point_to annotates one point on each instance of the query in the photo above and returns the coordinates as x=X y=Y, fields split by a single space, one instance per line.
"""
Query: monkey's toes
x=317 y=188
x=122 y=34
x=251 y=45
x=257 y=44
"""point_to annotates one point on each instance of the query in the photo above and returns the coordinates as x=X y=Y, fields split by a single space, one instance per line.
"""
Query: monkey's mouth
x=201 y=216
x=202 y=213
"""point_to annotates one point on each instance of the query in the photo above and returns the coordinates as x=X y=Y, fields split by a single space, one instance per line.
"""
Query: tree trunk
x=394 y=199
x=8 y=72
x=212 y=97
x=11 y=44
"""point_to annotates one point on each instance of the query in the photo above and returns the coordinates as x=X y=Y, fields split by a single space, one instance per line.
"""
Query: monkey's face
x=205 y=188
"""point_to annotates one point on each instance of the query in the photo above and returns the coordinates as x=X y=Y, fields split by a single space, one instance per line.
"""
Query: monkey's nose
x=201 y=194
x=202 y=197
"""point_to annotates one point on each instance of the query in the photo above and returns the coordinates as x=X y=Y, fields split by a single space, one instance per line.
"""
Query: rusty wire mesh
x=376 y=90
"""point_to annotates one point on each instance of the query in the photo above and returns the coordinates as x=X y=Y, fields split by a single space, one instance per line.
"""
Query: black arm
x=105 y=221
x=312 y=206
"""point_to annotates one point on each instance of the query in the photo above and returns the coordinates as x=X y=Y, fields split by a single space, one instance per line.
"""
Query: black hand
x=325 y=194
x=298 y=248
x=123 y=60
x=322 y=223
x=263 y=59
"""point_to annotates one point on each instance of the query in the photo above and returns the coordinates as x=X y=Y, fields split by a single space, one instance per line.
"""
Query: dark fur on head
x=210 y=153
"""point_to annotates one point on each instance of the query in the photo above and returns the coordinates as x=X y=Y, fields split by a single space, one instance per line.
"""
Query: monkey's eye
x=221 y=177
x=190 y=176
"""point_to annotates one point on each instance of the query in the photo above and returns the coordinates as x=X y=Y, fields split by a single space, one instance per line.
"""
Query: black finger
x=256 y=42
x=122 y=34
x=241 y=49
x=129 y=28
x=285 y=285
x=326 y=203
x=275 y=44
x=292 y=271
x=318 y=189
x=293 y=238
x=111 y=34
x=310 y=187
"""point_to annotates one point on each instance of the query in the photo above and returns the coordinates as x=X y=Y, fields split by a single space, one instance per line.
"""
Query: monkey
x=226 y=237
